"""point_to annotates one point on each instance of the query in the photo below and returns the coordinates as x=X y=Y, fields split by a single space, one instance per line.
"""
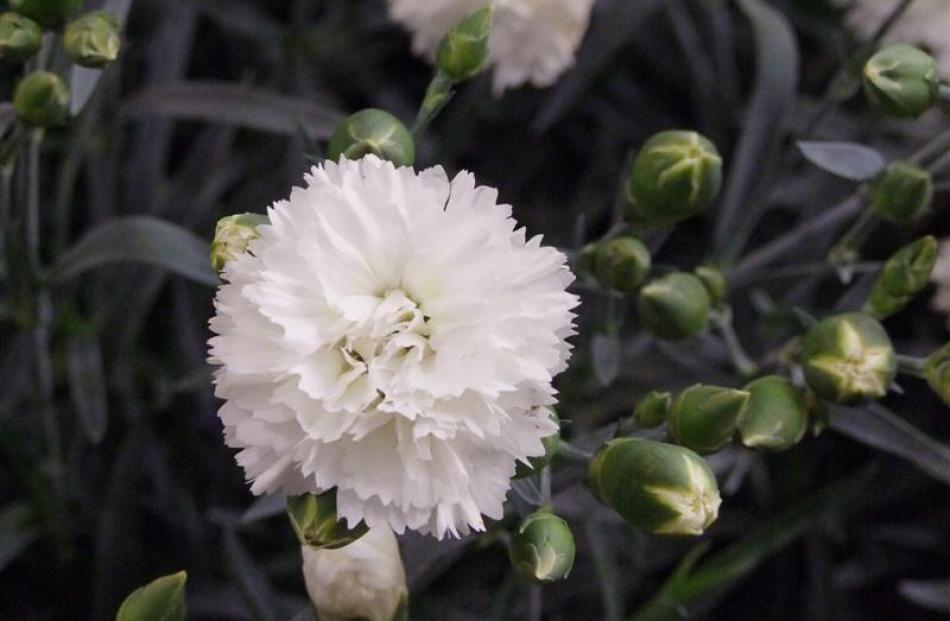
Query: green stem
x=438 y=95
x=569 y=452
x=911 y=365
x=848 y=248
x=741 y=361
x=606 y=571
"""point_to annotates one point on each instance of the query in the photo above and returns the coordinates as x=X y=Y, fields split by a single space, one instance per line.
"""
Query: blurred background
x=113 y=469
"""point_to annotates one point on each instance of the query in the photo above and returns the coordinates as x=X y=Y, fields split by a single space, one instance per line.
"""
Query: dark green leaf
x=139 y=238
x=163 y=599
x=844 y=159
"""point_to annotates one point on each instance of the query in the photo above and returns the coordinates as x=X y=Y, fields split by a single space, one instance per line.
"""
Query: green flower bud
x=314 y=519
x=621 y=263
x=902 y=192
x=46 y=12
x=660 y=488
x=232 y=236
x=93 y=39
x=937 y=372
x=551 y=444
x=42 y=100
x=653 y=409
x=20 y=37
x=704 y=418
x=776 y=416
x=373 y=131
x=674 y=177
x=848 y=359
x=463 y=52
x=674 y=306
x=904 y=275
x=901 y=81
x=162 y=598
x=714 y=281
x=543 y=548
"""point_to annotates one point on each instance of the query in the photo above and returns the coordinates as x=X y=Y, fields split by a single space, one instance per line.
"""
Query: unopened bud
x=901 y=81
x=463 y=52
x=42 y=100
x=232 y=236
x=551 y=444
x=848 y=359
x=653 y=409
x=937 y=372
x=904 y=275
x=162 y=598
x=376 y=132
x=316 y=523
x=542 y=550
x=776 y=416
x=903 y=192
x=674 y=177
x=674 y=306
x=93 y=40
x=658 y=487
x=714 y=281
x=621 y=263
x=704 y=418
x=46 y=12
x=20 y=37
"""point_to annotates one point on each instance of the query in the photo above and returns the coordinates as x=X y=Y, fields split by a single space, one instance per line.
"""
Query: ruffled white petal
x=393 y=335
x=532 y=41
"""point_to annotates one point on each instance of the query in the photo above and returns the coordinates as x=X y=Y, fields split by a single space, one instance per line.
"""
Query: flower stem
x=606 y=571
x=911 y=365
x=569 y=452
x=438 y=95
x=847 y=250
x=741 y=361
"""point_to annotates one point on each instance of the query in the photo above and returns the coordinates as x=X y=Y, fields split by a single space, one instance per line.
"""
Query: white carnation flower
x=531 y=41
x=362 y=580
x=925 y=23
x=391 y=334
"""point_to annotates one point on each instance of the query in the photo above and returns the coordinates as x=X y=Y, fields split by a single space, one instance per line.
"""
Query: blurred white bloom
x=362 y=580
x=941 y=278
x=925 y=23
x=531 y=41
x=391 y=334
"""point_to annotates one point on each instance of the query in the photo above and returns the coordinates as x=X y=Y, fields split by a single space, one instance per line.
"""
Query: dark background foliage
x=112 y=465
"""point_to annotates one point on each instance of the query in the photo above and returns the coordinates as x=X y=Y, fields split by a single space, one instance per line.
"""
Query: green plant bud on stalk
x=542 y=550
x=776 y=416
x=551 y=444
x=373 y=131
x=704 y=418
x=232 y=236
x=93 y=40
x=714 y=281
x=903 y=192
x=463 y=53
x=622 y=263
x=20 y=37
x=674 y=306
x=653 y=409
x=901 y=81
x=675 y=176
x=46 y=12
x=904 y=275
x=848 y=359
x=42 y=100
x=658 y=487
x=162 y=598
x=937 y=372
x=315 y=521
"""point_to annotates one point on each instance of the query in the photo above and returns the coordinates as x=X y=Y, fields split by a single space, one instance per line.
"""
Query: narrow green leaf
x=139 y=238
x=163 y=599
x=844 y=159
x=16 y=532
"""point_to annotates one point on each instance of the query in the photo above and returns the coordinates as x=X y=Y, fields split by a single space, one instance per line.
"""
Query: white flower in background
x=925 y=23
x=393 y=335
x=362 y=580
x=941 y=277
x=531 y=40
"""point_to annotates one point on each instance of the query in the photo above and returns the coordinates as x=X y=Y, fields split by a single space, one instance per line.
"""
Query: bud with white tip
x=92 y=40
x=375 y=132
x=848 y=359
x=776 y=416
x=542 y=549
x=901 y=81
x=232 y=235
x=674 y=306
x=705 y=418
x=363 y=580
x=658 y=487
x=20 y=37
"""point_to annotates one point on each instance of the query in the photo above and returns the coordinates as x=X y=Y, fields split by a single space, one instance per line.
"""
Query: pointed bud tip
x=901 y=81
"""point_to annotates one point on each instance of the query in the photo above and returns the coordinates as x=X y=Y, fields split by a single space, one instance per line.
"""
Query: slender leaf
x=221 y=102
x=878 y=427
x=16 y=532
x=844 y=159
x=163 y=599
x=139 y=238
x=932 y=594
